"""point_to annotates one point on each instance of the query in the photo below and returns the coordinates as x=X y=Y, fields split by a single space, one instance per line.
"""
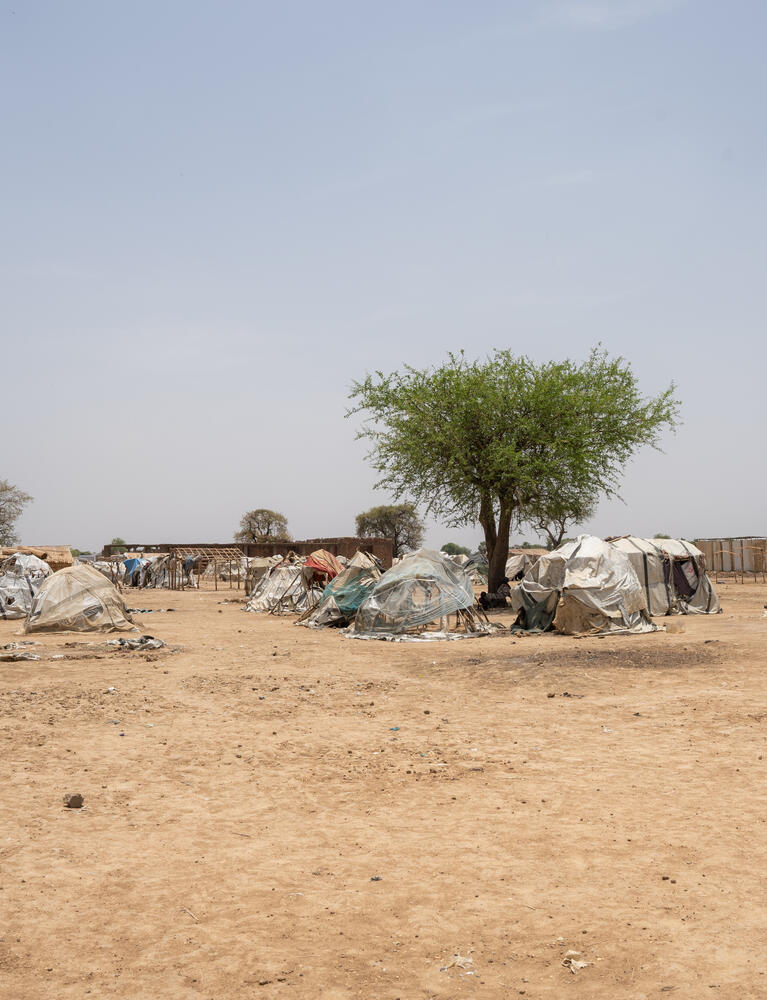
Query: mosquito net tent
x=77 y=599
x=421 y=589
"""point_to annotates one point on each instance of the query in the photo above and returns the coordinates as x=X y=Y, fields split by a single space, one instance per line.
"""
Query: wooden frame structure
x=205 y=556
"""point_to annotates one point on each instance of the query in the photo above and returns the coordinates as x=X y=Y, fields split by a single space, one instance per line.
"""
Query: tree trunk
x=497 y=560
x=487 y=521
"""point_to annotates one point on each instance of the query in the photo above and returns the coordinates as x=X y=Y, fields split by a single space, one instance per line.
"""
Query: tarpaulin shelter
x=423 y=588
x=77 y=599
x=673 y=574
x=342 y=597
x=57 y=556
x=323 y=563
x=21 y=576
x=287 y=587
x=520 y=561
x=585 y=587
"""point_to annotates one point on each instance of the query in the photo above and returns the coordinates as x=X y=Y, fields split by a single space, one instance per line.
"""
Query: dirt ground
x=274 y=812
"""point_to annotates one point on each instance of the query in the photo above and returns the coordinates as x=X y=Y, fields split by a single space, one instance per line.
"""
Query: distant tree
x=562 y=541
x=492 y=441
x=455 y=550
x=482 y=549
x=661 y=536
x=75 y=552
x=12 y=503
x=262 y=525
x=400 y=522
x=557 y=506
x=118 y=544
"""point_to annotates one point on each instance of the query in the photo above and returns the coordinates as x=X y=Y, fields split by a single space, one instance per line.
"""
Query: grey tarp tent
x=585 y=587
x=21 y=576
x=672 y=573
x=77 y=599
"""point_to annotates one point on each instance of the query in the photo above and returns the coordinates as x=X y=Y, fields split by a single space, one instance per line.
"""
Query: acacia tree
x=262 y=525
x=487 y=441
x=12 y=503
x=400 y=522
x=552 y=513
x=452 y=549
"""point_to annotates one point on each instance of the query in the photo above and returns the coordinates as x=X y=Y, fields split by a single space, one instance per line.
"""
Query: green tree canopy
x=400 y=522
x=455 y=550
x=262 y=525
x=118 y=544
x=12 y=503
x=492 y=441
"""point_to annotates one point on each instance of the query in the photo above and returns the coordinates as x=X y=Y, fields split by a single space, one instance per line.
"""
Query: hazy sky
x=216 y=215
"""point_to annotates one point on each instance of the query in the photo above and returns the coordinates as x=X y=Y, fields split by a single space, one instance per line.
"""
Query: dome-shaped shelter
x=423 y=588
x=77 y=599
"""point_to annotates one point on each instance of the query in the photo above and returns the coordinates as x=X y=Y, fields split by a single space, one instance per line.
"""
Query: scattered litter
x=110 y=690
x=149 y=611
x=458 y=962
x=18 y=645
x=606 y=729
x=393 y=729
x=73 y=801
x=16 y=655
x=376 y=878
x=573 y=961
x=142 y=642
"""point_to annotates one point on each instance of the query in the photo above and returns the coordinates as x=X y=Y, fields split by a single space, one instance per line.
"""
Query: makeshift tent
x=585 y=587
x=287 y=587
x=57 y=556
x=342 y=597
x=478 y=568
x=21 y=576
x=672 y=573
x=520 y=561
x=323 y=564
x=77 y=599
x=423 y=588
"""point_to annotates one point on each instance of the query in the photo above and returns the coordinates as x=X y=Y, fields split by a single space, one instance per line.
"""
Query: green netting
x=422 y=588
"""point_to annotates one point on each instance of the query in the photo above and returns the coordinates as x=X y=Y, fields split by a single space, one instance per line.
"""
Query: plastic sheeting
x=323 y=562
x=420 y=589
x=78 y=599
x=672 y=573
x=343 y=596
x=287 y=587
x=21 y=576
x=583 y=587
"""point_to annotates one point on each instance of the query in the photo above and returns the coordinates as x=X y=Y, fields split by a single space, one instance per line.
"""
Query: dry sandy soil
x=273 y=812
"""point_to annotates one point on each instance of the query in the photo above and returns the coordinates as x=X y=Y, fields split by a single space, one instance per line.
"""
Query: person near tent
x=498 y=599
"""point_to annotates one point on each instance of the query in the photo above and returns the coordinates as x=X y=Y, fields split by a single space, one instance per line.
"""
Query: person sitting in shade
x=498 y=599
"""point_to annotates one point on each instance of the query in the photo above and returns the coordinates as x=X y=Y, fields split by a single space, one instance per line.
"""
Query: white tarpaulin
x=21 y=576
x=77 y=599
x=583 y=587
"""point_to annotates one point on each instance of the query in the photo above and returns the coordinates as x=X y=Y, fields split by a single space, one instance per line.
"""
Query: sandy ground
x=277 y=812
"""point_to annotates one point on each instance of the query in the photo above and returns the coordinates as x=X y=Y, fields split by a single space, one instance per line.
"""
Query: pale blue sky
x=216 y=215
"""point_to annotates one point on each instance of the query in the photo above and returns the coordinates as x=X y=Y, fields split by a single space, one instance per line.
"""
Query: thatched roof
x=57 y=556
